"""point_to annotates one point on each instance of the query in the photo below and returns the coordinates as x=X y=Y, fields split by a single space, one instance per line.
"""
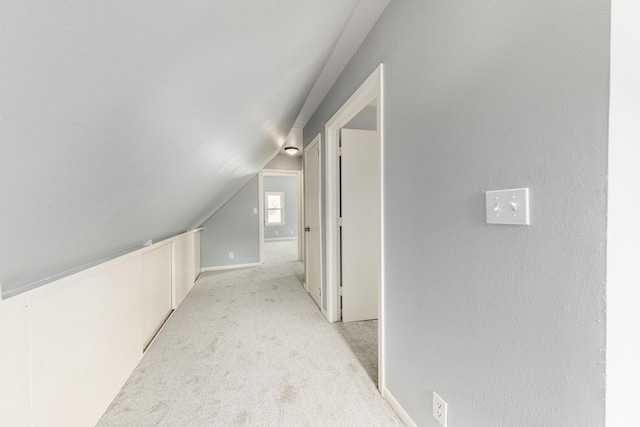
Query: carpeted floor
x=277 y=251
x=362 y=339
x=249 y=347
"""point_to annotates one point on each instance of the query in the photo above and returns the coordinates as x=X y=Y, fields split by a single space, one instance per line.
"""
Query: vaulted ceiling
x=129 y=120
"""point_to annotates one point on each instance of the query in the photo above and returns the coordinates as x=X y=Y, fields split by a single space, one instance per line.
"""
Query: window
x=275 y=208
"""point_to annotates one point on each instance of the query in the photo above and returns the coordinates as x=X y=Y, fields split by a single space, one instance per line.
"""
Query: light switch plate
x=508 y=206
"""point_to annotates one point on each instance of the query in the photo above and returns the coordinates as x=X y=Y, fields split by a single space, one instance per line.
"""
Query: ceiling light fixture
x=291 y=150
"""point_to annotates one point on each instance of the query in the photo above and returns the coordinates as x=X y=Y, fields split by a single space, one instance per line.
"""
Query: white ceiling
x=124 y=121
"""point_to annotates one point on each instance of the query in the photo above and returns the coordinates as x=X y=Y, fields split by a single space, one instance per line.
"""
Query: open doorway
x=280 y=216
x=360 y=237
x=354 y=283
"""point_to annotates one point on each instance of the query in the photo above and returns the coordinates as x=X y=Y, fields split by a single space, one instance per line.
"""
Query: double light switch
x=508 y=206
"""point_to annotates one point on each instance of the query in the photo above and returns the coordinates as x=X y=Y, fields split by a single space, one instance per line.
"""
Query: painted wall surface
x=119 y=124
x=285 y=162
x=233 y=228
x=67 y=348
x=623 y=275
x=506 y=323
x=289 y=186
x=364 y=120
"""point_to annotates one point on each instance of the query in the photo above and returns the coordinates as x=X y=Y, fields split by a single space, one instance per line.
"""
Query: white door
x=312 y=229
x=360 y=206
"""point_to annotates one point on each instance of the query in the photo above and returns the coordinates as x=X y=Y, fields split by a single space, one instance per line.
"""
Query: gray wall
x=506 y=323
x=115 y=130
x=233 y=228
x=364 y=120
x=285 y=161
x=288 y=185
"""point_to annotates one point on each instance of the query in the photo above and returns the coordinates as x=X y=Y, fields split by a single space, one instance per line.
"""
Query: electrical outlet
x=276 y=232
x=439 y=409
x=255 y=210
x=230 y=255
x=291 y=232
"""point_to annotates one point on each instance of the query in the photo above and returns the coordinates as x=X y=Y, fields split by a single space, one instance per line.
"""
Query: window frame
x=266 y=208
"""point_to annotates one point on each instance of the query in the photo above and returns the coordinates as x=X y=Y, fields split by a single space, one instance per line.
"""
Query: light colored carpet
x=362 y=338
x=249 y=347
x=277 y=251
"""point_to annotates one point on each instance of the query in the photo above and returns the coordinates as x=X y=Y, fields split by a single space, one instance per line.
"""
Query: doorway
x=280 y=205
x=354 y=216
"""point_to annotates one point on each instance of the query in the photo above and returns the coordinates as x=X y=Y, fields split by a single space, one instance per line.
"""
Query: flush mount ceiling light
x=291 y=150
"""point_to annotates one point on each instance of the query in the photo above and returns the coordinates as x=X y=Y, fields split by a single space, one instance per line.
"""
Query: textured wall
x=122 y=122
x=233 y=228
x=286 y=162
x=289 y=186
x=364 y=120
x=506 y=323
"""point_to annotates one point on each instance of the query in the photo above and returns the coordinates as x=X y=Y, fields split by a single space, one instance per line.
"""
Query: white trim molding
x=279 y=239
x=260 y=215
x=231 y=266
x=398 y=409
x=371 y=90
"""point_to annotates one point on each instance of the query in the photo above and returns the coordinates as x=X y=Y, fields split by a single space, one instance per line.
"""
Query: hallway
x=249 y=347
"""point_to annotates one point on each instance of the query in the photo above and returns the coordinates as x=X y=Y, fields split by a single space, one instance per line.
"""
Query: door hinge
x=339 y=151
x=340 y=222
x=340 y=291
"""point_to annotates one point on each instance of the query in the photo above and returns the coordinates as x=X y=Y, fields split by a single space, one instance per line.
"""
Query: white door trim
x=370 y=90
x=261 y=215
x=314 y=142
x=300 y=213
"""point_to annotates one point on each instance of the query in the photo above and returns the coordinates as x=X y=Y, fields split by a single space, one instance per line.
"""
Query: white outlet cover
x=508 y=206
x=230 y=255
x=255 y=210
x=439 y=409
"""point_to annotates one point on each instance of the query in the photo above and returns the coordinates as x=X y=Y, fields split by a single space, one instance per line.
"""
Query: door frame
x=299 y=214
x=370 y=90
x=316 y=141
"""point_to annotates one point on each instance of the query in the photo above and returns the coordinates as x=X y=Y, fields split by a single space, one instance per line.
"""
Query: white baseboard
x=232 y=266
x=398 y=409
x=275 y=239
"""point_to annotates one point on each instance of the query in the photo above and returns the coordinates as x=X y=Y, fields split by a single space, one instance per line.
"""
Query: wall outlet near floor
x=255 y=210
x=230 y=255
x=276 y=232
x=439 y=409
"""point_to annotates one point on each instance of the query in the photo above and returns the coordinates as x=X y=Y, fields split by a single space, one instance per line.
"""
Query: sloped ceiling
x=130 y=120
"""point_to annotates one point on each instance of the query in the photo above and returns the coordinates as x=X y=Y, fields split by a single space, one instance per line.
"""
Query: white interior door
x=312 y=229
x=360 y=206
